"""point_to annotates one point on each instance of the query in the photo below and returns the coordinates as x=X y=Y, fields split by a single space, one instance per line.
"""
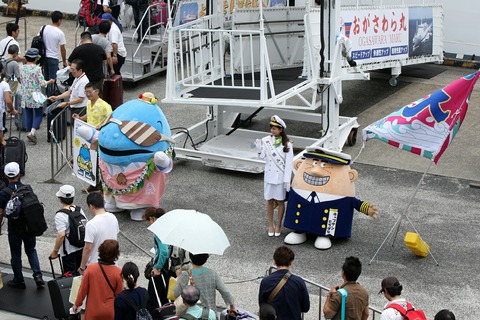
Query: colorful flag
x=427 y=126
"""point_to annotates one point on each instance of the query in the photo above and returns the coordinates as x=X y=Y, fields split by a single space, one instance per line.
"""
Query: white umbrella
x=191 y=230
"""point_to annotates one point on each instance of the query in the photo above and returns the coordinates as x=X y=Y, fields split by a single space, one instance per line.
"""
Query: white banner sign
x=84 y=159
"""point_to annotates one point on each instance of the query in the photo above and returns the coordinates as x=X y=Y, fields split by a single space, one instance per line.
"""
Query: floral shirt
x=32 y=81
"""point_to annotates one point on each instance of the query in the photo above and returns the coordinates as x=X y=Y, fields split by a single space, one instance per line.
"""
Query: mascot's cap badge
x=327 y=155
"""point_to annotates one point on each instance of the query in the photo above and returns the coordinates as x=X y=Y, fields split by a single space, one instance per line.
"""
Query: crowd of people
x=28 y=74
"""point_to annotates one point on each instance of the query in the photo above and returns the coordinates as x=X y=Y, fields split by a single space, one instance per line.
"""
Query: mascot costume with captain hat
x=135 y=154
x=322 y=198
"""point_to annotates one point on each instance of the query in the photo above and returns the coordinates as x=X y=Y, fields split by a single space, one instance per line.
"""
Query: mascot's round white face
x=324 y=177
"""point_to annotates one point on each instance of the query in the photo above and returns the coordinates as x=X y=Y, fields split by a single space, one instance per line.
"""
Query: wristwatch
x=82 y=268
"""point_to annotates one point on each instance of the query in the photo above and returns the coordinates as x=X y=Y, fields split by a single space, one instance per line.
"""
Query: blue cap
x=32 y=53
x=107 y=17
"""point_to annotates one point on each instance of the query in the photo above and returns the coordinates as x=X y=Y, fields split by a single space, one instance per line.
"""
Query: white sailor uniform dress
x=278 y=167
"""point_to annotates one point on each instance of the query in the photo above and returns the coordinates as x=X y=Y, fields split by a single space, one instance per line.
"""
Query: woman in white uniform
x=277 y=151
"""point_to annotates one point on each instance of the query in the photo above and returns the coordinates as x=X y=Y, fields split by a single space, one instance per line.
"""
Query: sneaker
x=32 y=138
x=38 y=280
x=16 y=285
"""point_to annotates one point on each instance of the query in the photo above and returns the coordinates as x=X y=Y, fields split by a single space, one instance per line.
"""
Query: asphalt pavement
x=444 y=210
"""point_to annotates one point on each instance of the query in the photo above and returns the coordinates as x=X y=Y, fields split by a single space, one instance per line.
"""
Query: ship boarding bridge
x=281 y=60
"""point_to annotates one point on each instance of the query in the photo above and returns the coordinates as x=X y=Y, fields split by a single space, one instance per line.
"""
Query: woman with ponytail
x=277 y=151
x=133 y=297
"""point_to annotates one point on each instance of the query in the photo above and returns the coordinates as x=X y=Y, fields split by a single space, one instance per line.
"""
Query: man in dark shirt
x=93 y=57
x=292 y=299
x=12 y=173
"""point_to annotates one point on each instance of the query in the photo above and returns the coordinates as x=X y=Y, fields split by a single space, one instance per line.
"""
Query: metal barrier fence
x=323 y=291
x=60 y=136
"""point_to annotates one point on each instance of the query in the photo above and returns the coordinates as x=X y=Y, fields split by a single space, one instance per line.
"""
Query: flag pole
x=404 y=214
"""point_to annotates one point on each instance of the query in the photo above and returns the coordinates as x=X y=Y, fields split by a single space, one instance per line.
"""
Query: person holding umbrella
x=159 y=272
x=206 y=280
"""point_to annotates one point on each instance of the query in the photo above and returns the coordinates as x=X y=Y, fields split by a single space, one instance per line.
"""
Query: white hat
x=277 y=122
x=66 y=191
x=12 y=169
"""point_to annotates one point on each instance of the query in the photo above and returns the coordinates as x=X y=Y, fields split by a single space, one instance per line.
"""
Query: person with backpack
x=190 y=296
x=397 y=308
x=17 y=234
x=53 y=39
x=70 y=222
x=131 y=303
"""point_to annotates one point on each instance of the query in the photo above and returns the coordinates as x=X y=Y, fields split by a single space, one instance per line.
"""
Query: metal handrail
x=61 y=150
x=323 y=289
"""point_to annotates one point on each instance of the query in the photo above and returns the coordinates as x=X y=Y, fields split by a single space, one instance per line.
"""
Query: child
x=277 y=151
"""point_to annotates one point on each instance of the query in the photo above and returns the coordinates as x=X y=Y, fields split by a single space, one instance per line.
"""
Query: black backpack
x=141 y=312
x=77 y=223
x=31 y=220
x=38 y=43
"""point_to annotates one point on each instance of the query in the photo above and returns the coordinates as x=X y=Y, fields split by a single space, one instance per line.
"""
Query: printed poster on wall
x=189 y=11
x=84 y=159
x=420 y=31
x=377 y=34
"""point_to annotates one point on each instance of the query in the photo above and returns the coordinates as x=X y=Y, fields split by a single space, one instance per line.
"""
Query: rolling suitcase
x=113 y=91
x=14 y=151
x=59 y=289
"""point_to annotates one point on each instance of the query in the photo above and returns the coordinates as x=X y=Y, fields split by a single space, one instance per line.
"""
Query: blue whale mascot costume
x=135 y=154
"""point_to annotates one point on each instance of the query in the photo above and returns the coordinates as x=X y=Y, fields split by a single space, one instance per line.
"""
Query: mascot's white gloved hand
x=287 y=186
x=162 y=160
x=86 y=133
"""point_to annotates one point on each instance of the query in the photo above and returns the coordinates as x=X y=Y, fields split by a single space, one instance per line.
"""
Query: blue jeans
x=49 y=69
x=15 y=241
x=33 y=118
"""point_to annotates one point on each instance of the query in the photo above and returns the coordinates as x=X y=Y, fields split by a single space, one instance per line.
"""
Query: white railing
x=200 y=62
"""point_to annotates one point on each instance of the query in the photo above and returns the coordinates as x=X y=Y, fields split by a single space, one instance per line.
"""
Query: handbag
x=39 y=97
x=149 y=269
x=171 y=286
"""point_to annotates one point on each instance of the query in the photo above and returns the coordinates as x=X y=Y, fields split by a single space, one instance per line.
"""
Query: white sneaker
x=323 y=243
x=295 y=238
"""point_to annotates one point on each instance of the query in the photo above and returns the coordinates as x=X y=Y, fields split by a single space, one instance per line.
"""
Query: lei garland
x=135 y=185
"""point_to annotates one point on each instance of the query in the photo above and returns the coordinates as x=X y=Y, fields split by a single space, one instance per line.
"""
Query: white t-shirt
x=115 y=36
x=53 y=37
x=103 y=2
x=392 y=314
x=8 y=41
x=4 y=87
x=62 y=224
x=78 y=91
x=102 y=227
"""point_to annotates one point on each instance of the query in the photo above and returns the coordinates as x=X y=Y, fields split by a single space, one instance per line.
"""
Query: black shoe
x=5 y=130
x=38 y=280
x=16 y=285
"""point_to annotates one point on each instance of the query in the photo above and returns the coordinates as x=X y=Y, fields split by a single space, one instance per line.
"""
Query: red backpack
x=410 y=313
x=86 y=15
